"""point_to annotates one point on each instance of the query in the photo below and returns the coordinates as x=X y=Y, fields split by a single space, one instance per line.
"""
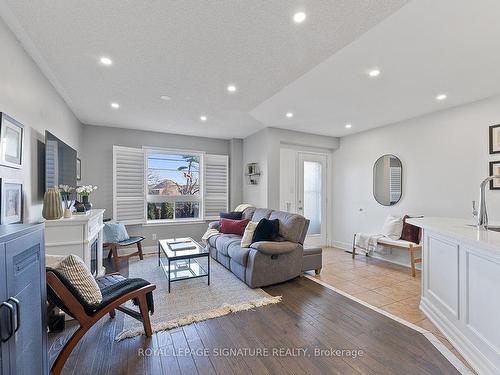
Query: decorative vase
x=52 y=204
x=86 y=203
x=67 y=213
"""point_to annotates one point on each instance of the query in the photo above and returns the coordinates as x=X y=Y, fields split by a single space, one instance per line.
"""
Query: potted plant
x=84 y=192
x=67 y=195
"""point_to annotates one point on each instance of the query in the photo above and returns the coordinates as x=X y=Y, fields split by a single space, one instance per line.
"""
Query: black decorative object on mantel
x=80 y=207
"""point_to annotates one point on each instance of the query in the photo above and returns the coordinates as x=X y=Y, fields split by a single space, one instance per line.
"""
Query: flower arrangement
x=66 y=193
x=86 y=190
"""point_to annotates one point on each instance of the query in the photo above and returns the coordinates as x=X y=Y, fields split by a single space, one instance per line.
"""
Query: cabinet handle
x=18 y=312
x=11 y=318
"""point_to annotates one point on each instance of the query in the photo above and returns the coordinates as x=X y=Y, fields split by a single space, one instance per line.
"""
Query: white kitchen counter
x=461 y=287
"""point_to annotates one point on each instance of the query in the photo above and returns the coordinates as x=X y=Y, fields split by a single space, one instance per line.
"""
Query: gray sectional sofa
x=263 y=263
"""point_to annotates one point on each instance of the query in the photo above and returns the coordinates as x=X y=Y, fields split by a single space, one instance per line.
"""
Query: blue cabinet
x=23 y=300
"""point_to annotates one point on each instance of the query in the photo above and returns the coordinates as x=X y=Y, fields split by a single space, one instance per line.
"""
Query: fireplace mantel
x=77 y=235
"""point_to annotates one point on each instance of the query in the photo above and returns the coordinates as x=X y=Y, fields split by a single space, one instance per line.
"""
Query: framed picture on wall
x=11 y=201
x=78 y=169
x=11 y=142
x=495 y=170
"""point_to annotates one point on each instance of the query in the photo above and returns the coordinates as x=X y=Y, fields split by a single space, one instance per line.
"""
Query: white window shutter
x=128 y=185
x=216 y=185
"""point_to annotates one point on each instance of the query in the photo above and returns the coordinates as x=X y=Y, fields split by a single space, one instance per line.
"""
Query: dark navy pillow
x=231 y=215
x=266 y=230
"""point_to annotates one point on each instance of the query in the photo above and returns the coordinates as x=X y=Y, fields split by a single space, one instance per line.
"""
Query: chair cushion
x=231 y=215
x=114 y=233
x=228 y=226
x=266 y=230
x=238 y=254
x=74 y=269
x=131 y=241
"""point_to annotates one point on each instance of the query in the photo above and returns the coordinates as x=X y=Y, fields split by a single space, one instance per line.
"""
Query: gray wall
x=27 y=96
x=97 y=169
x=236 y=169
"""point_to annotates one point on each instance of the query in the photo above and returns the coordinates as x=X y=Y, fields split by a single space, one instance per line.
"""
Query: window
x=173 y=186
x=166 y=186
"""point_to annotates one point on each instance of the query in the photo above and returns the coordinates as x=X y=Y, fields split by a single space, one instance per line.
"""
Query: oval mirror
x=388 y=180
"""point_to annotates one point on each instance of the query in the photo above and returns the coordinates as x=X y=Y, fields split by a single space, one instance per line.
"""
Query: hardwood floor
x=289 y=335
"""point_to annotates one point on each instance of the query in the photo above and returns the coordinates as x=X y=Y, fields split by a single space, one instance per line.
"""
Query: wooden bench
x=412 y=248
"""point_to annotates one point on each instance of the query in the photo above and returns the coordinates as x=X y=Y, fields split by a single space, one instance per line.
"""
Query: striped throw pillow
x=75 y=270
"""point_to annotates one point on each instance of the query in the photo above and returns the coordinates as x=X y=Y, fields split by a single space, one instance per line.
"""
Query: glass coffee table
x=178 y=259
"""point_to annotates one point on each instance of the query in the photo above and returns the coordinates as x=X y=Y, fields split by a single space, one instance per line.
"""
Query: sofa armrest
x=214 y=225
x=275 y=248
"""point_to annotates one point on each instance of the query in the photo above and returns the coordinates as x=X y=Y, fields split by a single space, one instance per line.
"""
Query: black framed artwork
x=495 y=139
x=11 y=202
x=11 y=142
x=495 y=170
x=78 y=169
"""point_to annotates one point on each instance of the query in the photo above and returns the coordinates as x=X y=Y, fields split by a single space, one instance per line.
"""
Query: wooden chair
x=63 y=295
x=113 y=250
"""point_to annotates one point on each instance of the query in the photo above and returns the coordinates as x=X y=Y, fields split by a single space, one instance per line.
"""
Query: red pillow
x=229 y=226
x=410 y=232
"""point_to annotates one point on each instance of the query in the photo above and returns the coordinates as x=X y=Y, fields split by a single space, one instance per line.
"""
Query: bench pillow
x=228 y=226
x=410 y=232
x=393 y=227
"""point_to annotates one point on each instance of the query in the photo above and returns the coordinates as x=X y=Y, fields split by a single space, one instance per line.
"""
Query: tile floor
x=379 y=283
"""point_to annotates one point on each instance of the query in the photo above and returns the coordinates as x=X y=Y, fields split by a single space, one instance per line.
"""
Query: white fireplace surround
x=76 y=236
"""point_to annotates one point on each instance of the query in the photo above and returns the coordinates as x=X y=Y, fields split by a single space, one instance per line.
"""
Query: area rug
x=192 y=300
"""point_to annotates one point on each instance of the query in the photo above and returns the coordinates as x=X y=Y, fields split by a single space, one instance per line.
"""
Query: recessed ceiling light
x=289 y=114
x=299 y=17
x=165 y=97
x=115 y=105
x=106 y=61
x=231 y=88
x=348 y=126
x=374 y=73
x=441 y=97
x=203 y=118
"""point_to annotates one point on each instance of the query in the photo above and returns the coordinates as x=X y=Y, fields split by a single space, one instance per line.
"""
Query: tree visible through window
x=173 y=186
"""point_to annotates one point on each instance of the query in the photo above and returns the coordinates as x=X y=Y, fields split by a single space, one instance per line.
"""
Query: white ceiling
x=426 y=48
x=189 y=50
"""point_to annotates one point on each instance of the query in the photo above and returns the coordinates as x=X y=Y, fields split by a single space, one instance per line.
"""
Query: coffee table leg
x=169 y=275
x=159 y=263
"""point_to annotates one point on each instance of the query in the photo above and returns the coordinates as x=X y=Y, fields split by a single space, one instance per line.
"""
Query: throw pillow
x=76 y=272
x=410 y=232
x=228 y=226
x=246 y=240
x=114 y=233
x=231 y=215
x=266 y=230
x=393 y=227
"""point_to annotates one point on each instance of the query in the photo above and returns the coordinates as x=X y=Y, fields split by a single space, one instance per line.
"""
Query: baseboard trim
x=471 y=354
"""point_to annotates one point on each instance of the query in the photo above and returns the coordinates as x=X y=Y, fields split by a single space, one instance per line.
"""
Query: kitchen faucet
x=482 y=216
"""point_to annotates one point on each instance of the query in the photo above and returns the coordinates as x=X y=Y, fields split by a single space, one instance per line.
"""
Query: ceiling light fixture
x=348 y=126
x=115 y=105
x=441 y=97
x=203 y=118
x=165 y=97
x=299 y=17
x=374 y=73
x=231 y=88
x=289 y=114
x=106 y=61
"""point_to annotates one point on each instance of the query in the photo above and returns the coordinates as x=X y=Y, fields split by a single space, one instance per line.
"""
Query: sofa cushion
x=248 y=213
x=212 y=240
x=228 y=226
x=291 y=225
x=275 y=248
x=266 y=230
x=261 y=213
x=225 y=240
x=231 y=215
x=238 y=254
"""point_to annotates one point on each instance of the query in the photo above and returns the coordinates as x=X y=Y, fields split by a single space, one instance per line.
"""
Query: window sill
x=180 y=222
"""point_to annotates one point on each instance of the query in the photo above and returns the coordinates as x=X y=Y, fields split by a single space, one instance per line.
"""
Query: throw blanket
x=212 y=231
x=367 y=241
